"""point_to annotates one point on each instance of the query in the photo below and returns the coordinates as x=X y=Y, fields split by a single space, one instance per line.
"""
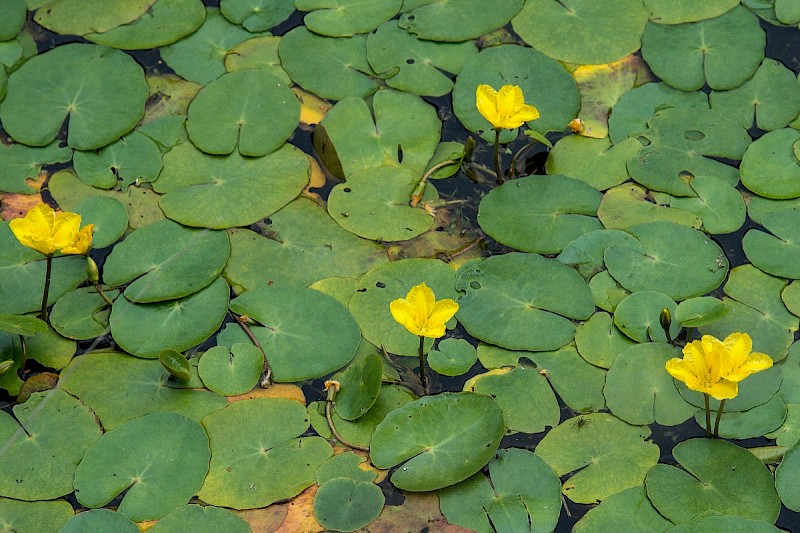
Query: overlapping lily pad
x=595 y=161
x=751 y=423
x=339 y=18
x=256 y=15
x=99 y=520
x=344 y=504
x=456 y=20
x=638 y=316
x=360 y=385
x=201 y=519
x=78 y=17
x=35 y=517
x=770 y=166
x=82 y=314
x=452 y=357
x=12 y=14
x=586 y=252
x=719 y=205
x=260 y=53
x=131 y=158
x=599 y=341
x=614 y=513
x=20 y=163
x=777 y=254
x=629 y=204
x=679 y=11
x=231 y=372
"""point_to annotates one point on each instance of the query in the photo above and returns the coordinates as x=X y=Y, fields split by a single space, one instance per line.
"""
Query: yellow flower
x=421 y=314
x=740 y=362
x=506 y=108
x=47 y=232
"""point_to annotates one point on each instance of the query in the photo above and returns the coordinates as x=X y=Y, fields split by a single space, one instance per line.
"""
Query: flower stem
x=422 y=364
x=46 y=291
x=497 y=169
x=708 y=417
x=102 y=294
x=513 y=167
x=332 y=387
x=266 y=373
x=719 y=415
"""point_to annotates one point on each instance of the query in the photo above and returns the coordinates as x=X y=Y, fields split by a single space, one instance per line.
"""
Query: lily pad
x=719 y=205
x=299 y=343
x=100 y=520
x=586 y=252
x=523 y=495
x=759 y=207
x=266 y=462
x=347 y=465
x=12 y=15
x=35 y=517
x=157 y=474
x=256 y=15
x=791 y=298
x=22 y=325
x=360 y=384
x=118 y=388
x=82 y=314
x=696 y=267
x=639 y=391
x=595 y=161
x=109 y=217
x=756 y=391
x=540 y=214
x=418 y=66
x=789 y=433
x=249 y=110
x=789 y=390
x=770 y=166
x=260 y=53
x=592 y=447
x=344 y=504
x=638 y=316
x=100 y=91
x=582 y=31
x=532 y=312
x=777 y=254
x=231 y=372
x=786 y=478
x=606 y=292
x=752 y=423
x=629 y=204
x=456 y=20
x=699 y=311
x=452 y=357
x=340 y=18
x=716 y=523
x=718 y=476
x=201 y=519
x=20 y=163
x=77 y=17
x=599 y=341
x=614 y=513
x=131 y=158
x=231 y=188
x=50 y=349
x=680 y=11
x=440 y=440
x=722 y=52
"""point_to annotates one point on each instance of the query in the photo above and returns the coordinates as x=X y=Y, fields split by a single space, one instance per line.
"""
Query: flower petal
x=723 y=390
x=404 y=313
x=422 y=299
x=486 y=102
x=82 y=241
x=443 y=310
x=65 y=229
x=755 y=362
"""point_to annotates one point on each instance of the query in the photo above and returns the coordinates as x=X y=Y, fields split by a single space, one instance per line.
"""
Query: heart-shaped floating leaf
x=50 y=349
x=299 y=344
x=718 y=476
x=599 y=341
x=22 y=325
x=452 y=357
x=770 y=167
x=699 y=311
x=715 y=523
x=456 y=20
x=360 y=384
x=100 y=90
x=165 y=22
x=759 y=207
x=757 y=390
x=680 y=11
x=614 y=513
x=719 y=204
x=48 y=433
x=100 y=520
x=543 y=81
x=347 y=465
x=777 y=254
x=339 y=18
x=232 y=187
x=440 y=440
x=629 y=204
x=265 y=462
x=11 y=362
x=249 y=110
x=12 y=14
x=606 y=292
x=109 y=217
x=786 y=478
x=594 y=161
x=791 y=297
x=44 y=517
x=605 y=454
x=330 y=67
x=256 y=15
x=723 y=52
x=789 y=433
x=20 y=163
x=586 y=252
x=532 y=300
x=540 y=214
x=524 y=395
x=77 y=17
x=231 y=372
x=131 y=158
x=118 y=388
x=680 y=143
x=176 y=324
x=571 y=30
x=418 y=66
x=82 y=314
x=165 y=260
x=260 y=53
x=344 y=504
x=638 y=316
x=157 y=473
x=201 y=519
x=523 y=495
x=752 y=423
x=694 y=268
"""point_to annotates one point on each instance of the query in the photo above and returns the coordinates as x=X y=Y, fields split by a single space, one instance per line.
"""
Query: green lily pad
x=755 y=306
x=329 y=67
x=100 y=520
x=299 y=343
x=715 y=523
x=582 y=31
x=440 y=440
x=680 y=11
x=118 y=388
x=696 y=267
x=231 y=188
x=749 y=424
x=777 y=254
x=585 y=253
x=381 y=285
x=540 y=214
x=418 y=66
x=347 y=465
x=532 y=312
x=109 y=217
x=12 y=14
x=176 y=364
x=260 y=53
x=786 y=479
x=50 y=349
x=595 y=161
x=543 y=81
x=789 y=433
x=606 y=292
x=791 y=298
x=20 y=163
x=629 y=204
x=756 y=391
x=452 y=357
x=100 y=90
x=249 y=110
x=787 y=11
x=22 y=325
x=360 y=384
x=48 y=433
x=200 y=57
x=11 y=348
x=176 y=324
x=718 y=476
x=523 y=394
x=256 y=15
x=201 y=519
x=599 y=341
x=34 y=517
x=699 y=311
x=614 y=514
x=790 y=366
x=722 y=52
x=165 y=260
x=344 y=504
x=231 y=372
x=157 y=473
x=593 y=447
x=770 y=167
x=759 y=207
x=131 y=158
x=77 y=17
x=301 y=244
x=679 y=144
x=524 y=495
x=165 y=22
x=82 y=314
x=638 y=316
x=639 y=391
x=265 y=462
x=719 y=205
x=340 y=18
x=456 y=20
